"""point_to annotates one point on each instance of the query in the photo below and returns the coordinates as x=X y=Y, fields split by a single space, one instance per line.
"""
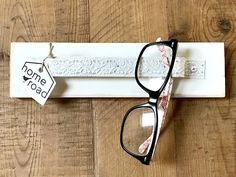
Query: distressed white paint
x=213 y=84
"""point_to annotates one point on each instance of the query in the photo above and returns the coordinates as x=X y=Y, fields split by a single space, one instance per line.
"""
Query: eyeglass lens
x=155 y=58
x=137 y=132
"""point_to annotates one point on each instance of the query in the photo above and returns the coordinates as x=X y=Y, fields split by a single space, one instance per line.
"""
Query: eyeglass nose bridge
x=153 y=98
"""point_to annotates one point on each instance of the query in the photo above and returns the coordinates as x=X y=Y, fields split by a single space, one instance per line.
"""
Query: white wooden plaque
x=212 y=85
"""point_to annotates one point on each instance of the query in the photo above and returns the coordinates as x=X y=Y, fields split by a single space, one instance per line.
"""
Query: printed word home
x=35 y=81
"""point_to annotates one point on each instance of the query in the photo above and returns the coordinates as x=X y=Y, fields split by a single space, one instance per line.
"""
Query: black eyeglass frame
x=152 y=102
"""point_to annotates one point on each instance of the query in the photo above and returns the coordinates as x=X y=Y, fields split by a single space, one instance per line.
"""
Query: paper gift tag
x=37 y=81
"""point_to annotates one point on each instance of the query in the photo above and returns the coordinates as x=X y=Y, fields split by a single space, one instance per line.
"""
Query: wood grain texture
x=57 y=139
x=210 y=148
x=80 y=137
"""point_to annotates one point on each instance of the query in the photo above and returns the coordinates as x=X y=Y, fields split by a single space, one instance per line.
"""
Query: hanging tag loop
x=50 y=55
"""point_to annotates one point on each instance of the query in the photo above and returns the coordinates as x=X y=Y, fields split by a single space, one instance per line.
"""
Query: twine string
x=50 y=55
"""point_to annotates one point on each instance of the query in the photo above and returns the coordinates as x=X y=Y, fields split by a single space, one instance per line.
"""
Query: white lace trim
x=123 y=67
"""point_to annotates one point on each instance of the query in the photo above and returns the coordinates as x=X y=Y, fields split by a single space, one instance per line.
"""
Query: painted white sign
x=212 y=85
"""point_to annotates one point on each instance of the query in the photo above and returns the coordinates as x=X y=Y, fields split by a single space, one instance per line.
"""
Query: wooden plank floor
x=80 y=137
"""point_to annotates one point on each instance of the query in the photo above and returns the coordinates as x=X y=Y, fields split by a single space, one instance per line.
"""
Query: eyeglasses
x=141 y=125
